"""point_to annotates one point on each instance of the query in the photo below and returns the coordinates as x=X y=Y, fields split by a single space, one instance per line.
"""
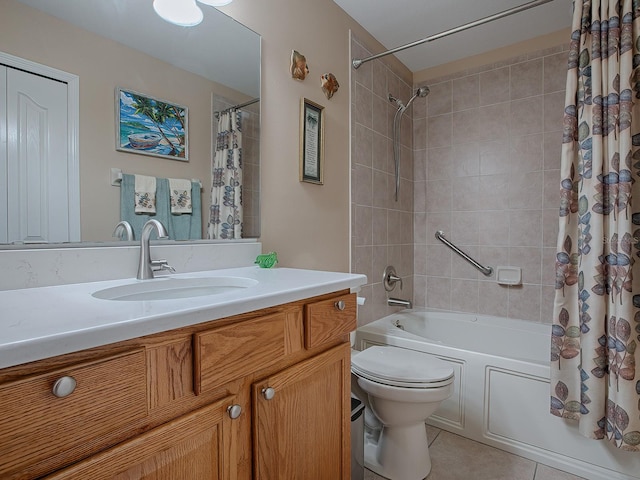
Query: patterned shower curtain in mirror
x=225 y=215
x=596 y=324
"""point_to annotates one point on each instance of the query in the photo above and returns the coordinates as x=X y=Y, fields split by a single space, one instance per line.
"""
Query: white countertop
x=37 y=323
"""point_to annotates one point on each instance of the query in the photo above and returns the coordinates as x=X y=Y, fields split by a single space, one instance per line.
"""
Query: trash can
x=357 y=439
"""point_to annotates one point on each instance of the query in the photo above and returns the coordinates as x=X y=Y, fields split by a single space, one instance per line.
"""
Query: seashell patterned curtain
x=596 y=324
x=225 y=214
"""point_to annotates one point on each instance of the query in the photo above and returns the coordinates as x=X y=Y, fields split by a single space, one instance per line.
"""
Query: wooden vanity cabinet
x=198 y=445
x=301 y=420
x=262 y=395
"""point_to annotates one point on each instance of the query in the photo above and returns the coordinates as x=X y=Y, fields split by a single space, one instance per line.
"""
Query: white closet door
x=4 y=200
x=37 y=184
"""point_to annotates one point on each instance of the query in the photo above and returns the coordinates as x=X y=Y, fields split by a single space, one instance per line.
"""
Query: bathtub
x=501 y=394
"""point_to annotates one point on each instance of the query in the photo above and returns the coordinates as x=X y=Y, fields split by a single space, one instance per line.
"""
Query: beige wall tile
x=440 y=129
x=438 y=197
x=364 y=105
x=363 y=145
x=494 y=157
x=439 y=100
x=363 y=185
x=555 y=72
x=480 y=161
x=466 y=126
x=529 y=259
x=464 y=295
x=526 y=116
x=438 y=291
x=527 y=153
x=526 y=79
x=493 y=122
x=525 y=228
x=553 y=111
x=466 y=158
x=379 y=121
x=494 y=86
x=440 y=165
x=493 y=299
x=465 y=93
x=525 y=190
x=524 y=302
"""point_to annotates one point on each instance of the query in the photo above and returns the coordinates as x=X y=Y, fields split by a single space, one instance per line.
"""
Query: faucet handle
x=157 y=265
x=390 y=278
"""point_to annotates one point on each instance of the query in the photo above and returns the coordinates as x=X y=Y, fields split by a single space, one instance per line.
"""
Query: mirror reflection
x=83 y=54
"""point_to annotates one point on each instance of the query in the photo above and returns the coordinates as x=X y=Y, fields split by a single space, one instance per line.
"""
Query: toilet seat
x=400 y=367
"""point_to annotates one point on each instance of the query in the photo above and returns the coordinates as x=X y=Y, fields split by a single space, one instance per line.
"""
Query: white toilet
x=402 y=388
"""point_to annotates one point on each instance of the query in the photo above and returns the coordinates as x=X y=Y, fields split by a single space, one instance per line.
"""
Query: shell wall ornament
x=329 y=84
x=299 y=68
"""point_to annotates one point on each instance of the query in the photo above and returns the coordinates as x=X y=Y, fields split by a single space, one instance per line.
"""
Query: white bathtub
x=501 y=395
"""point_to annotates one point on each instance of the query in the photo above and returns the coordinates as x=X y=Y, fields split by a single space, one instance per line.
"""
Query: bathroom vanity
x=258 y=393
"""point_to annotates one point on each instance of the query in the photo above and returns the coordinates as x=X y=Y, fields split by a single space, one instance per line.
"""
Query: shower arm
x=356 y=62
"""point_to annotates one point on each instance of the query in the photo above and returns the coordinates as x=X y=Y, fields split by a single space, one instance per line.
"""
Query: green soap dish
x=267 y=260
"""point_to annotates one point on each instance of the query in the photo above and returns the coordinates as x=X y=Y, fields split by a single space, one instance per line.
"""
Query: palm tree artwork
x=152 y=127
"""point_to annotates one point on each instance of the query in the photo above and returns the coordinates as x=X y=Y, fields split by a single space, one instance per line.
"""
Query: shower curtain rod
x=240 y=105
x=356 y=62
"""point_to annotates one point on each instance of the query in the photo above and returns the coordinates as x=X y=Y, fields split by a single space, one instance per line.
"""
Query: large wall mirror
x=114 y=45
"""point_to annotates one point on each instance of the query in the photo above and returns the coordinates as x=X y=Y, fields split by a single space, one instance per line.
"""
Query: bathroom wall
x=382 y=228
x=309 y=225
x=487 y=155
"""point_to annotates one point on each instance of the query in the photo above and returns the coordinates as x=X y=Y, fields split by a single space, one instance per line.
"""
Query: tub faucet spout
x=398 y=302
x=146 y=266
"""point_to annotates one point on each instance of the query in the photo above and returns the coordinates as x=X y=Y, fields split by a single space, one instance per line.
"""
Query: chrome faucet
x=389 y=280
x=123 y=231
x=398 y=302
x=146 y=267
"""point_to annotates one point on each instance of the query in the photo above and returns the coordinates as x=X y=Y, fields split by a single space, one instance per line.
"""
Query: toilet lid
x=401 y=367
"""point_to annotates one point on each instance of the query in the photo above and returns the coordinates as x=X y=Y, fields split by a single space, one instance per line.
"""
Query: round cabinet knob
x=234 y=411
x=64 y=387
x=268 y=393
x=340 y=305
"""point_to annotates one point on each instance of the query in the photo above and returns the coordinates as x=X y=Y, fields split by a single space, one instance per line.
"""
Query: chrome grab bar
x=487 y=271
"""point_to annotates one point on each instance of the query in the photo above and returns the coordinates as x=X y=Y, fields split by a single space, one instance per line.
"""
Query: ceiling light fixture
x=184 y=13
x=179 y=12
x=216 y=3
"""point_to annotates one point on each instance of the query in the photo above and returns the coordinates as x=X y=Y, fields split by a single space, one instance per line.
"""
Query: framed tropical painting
x=150 y=126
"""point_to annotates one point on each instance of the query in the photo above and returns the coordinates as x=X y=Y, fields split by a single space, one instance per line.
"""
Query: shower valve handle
x=390 y=278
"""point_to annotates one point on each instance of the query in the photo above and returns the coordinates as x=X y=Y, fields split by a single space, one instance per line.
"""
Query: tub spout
x=398 y=302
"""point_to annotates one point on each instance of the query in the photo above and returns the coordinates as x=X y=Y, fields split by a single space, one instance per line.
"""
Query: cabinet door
x=302 y=426
x=201 y=446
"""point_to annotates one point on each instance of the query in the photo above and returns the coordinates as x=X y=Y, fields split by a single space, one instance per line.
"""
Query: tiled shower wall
x=486 y=172
x=382 y=229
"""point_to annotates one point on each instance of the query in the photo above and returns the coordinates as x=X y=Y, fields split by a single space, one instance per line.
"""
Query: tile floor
x=457 y=458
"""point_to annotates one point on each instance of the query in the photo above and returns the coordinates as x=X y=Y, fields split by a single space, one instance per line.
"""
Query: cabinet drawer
x=37 y=426
x=227 y=353
x=329 y=319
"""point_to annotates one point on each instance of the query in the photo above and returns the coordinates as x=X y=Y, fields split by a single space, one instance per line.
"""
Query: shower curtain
x=225 y=216
x=596 y=319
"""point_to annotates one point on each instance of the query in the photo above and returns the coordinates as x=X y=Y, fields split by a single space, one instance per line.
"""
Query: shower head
x=421 y=92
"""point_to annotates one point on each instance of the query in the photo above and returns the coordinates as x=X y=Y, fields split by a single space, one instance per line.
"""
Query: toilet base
x=399 y=453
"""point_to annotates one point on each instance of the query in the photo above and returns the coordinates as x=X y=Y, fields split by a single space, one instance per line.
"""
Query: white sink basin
x=174 y=288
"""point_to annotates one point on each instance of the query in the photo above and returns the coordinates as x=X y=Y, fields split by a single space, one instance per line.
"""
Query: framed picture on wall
x=311 y=142
x=150 y=126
